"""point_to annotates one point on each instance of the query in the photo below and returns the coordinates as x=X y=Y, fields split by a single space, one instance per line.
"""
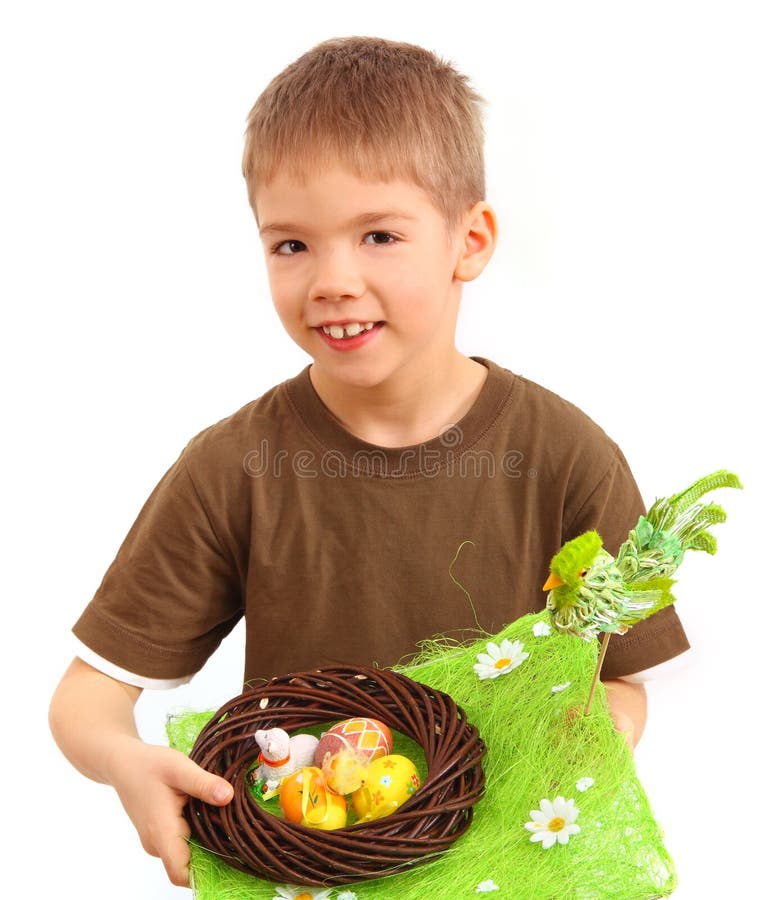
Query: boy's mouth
x=349 y=335
x=347 y=330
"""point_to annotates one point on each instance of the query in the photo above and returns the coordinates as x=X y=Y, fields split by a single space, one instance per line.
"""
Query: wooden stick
x=599 y=664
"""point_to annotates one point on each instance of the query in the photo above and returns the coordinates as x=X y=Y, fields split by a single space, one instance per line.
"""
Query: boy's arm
x=628 y=705
x=92 y=720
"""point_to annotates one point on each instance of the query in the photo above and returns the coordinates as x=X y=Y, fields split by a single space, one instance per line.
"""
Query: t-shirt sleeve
x=173 y=591
x=612 y=509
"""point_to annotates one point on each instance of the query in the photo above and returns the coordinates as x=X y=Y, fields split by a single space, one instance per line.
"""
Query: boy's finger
x=176 y=860
x=192 y=780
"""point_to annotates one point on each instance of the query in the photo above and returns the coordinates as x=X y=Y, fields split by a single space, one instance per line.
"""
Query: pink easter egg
x=367 y=737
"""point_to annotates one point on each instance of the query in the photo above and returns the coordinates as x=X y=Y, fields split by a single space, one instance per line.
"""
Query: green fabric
x=539 y=746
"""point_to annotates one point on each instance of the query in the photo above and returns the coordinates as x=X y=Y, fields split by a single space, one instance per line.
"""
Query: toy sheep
x=281 y=755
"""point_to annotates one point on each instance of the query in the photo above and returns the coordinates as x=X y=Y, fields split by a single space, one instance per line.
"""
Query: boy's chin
x=351 y=377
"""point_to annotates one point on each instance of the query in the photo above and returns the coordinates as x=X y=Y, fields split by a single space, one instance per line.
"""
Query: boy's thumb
x=221 y=792
x=207 y=787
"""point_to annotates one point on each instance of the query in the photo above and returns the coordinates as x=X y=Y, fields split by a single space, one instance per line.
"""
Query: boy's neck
x=403 y=415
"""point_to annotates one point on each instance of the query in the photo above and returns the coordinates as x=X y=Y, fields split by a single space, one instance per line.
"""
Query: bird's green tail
x=656 y=546
x=681 y=518
x=719 y=479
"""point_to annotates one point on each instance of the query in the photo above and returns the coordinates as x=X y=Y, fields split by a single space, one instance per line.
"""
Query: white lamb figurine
x=281 y=755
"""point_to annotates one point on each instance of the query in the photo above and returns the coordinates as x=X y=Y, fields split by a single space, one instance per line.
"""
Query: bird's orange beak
x=552 y=582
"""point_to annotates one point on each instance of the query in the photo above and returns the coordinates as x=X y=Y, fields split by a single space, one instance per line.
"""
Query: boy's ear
x=478 y=235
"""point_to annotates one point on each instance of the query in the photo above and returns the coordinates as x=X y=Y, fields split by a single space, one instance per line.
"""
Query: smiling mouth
x=348 y=330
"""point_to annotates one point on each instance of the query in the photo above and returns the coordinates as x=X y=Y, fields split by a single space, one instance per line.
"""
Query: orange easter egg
x=305 y=800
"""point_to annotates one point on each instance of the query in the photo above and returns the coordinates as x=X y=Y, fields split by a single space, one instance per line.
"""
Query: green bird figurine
x=591 y=591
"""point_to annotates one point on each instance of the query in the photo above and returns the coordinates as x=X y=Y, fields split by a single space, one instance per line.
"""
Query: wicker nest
x=260 y=843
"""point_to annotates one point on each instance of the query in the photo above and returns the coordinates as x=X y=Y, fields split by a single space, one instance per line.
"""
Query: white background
x=633 y=162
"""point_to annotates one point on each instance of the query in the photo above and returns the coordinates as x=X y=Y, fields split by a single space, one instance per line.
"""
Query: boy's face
x=363 y=275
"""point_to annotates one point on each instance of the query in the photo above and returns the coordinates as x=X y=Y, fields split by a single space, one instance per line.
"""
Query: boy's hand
x=153 y=784
x=628 y=705
x=92 y=720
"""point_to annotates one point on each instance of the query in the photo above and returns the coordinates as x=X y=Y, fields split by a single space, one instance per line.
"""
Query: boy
x=328 y=512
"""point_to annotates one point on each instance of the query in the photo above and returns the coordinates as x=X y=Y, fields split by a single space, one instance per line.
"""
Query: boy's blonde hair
x=383 y=110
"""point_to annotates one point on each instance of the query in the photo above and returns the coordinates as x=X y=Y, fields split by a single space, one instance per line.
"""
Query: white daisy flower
x=557 y=688
x=499 y=659
x=542 y=629
x=486 y=886
x=292 y=892
x=584 y=783
x=554 y=822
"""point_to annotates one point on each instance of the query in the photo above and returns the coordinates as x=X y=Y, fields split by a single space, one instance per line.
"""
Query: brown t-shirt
x=338 y=551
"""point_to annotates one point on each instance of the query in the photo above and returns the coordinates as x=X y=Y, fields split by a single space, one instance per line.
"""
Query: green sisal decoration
x=539 y=747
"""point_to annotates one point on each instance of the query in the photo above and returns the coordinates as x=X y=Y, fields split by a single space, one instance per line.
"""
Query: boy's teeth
x=349 y=330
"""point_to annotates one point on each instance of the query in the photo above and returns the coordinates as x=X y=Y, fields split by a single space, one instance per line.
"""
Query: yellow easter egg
x=330 y=816
x=390 y=780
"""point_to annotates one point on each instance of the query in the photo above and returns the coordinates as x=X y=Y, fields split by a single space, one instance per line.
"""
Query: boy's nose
x=336 y=277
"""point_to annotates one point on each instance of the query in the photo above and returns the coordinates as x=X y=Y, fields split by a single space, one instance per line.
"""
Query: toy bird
x=592 y=591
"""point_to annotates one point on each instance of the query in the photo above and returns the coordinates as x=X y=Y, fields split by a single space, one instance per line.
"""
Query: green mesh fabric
x=539 y=746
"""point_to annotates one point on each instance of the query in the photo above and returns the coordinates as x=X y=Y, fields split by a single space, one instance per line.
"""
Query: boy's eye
x=288 y=248
x=379 y=237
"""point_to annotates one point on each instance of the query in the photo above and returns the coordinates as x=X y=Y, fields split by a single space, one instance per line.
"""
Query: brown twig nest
x=260 y=843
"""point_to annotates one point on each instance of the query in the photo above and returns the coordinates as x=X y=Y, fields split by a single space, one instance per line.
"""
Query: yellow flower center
x=306 y=896
x=557 y=824
x=503 y=662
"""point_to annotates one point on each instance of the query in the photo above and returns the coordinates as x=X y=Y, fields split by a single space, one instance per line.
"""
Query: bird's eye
x=583 y=573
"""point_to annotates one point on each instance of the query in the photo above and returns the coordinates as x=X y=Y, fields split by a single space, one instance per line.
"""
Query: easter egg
x=390 y=780
x=305 y=800
x=366 y=737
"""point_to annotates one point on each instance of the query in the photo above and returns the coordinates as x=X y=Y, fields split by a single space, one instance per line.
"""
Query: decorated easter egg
x=305 y=800
x=366 y=737
x=390 y=780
